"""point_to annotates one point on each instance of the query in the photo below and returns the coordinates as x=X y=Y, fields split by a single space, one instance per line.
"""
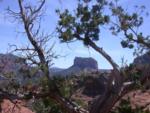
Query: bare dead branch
x=39 y=54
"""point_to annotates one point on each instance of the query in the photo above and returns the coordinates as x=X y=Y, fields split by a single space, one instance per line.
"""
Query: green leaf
x=124 y=44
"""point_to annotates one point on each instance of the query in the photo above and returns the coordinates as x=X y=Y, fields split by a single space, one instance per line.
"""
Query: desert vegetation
x=26 y=71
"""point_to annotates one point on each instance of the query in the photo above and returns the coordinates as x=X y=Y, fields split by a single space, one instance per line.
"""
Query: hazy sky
x=9 y=34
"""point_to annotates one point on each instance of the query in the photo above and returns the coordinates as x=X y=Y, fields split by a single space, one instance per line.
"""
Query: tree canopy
x=91 y=16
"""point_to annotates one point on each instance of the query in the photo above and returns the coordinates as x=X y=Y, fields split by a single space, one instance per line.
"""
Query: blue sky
x=9 y=34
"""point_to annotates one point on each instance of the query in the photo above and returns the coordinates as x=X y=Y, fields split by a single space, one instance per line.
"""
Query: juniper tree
x=85 y=24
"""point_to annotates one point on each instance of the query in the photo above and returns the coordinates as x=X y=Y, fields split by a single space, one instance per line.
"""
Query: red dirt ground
x=9 y=107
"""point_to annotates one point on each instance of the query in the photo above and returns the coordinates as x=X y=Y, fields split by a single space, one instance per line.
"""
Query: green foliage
x=81 y=103
x=46 y=105
x=66 y=85
x=90 y=17
x=84 y=24
x=128 y=24
x=133 y=74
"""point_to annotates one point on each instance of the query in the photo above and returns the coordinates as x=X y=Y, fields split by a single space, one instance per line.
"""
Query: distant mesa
x=80 y=64
x=13 y=65
x=85 y=63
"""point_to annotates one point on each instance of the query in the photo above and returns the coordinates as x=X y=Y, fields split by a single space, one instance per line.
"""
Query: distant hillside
x=56 y=69
x=14 y=68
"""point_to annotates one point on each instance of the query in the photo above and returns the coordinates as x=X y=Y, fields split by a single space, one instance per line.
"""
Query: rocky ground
x=139 y=98
x=17 y=107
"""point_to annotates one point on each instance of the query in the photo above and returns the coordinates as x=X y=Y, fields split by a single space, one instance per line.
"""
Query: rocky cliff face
x=85 y=63
x=80 y=64
x=143 y=63
x=13 y=72
x=11 y=64
x=13 y=68
x=144 y=59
